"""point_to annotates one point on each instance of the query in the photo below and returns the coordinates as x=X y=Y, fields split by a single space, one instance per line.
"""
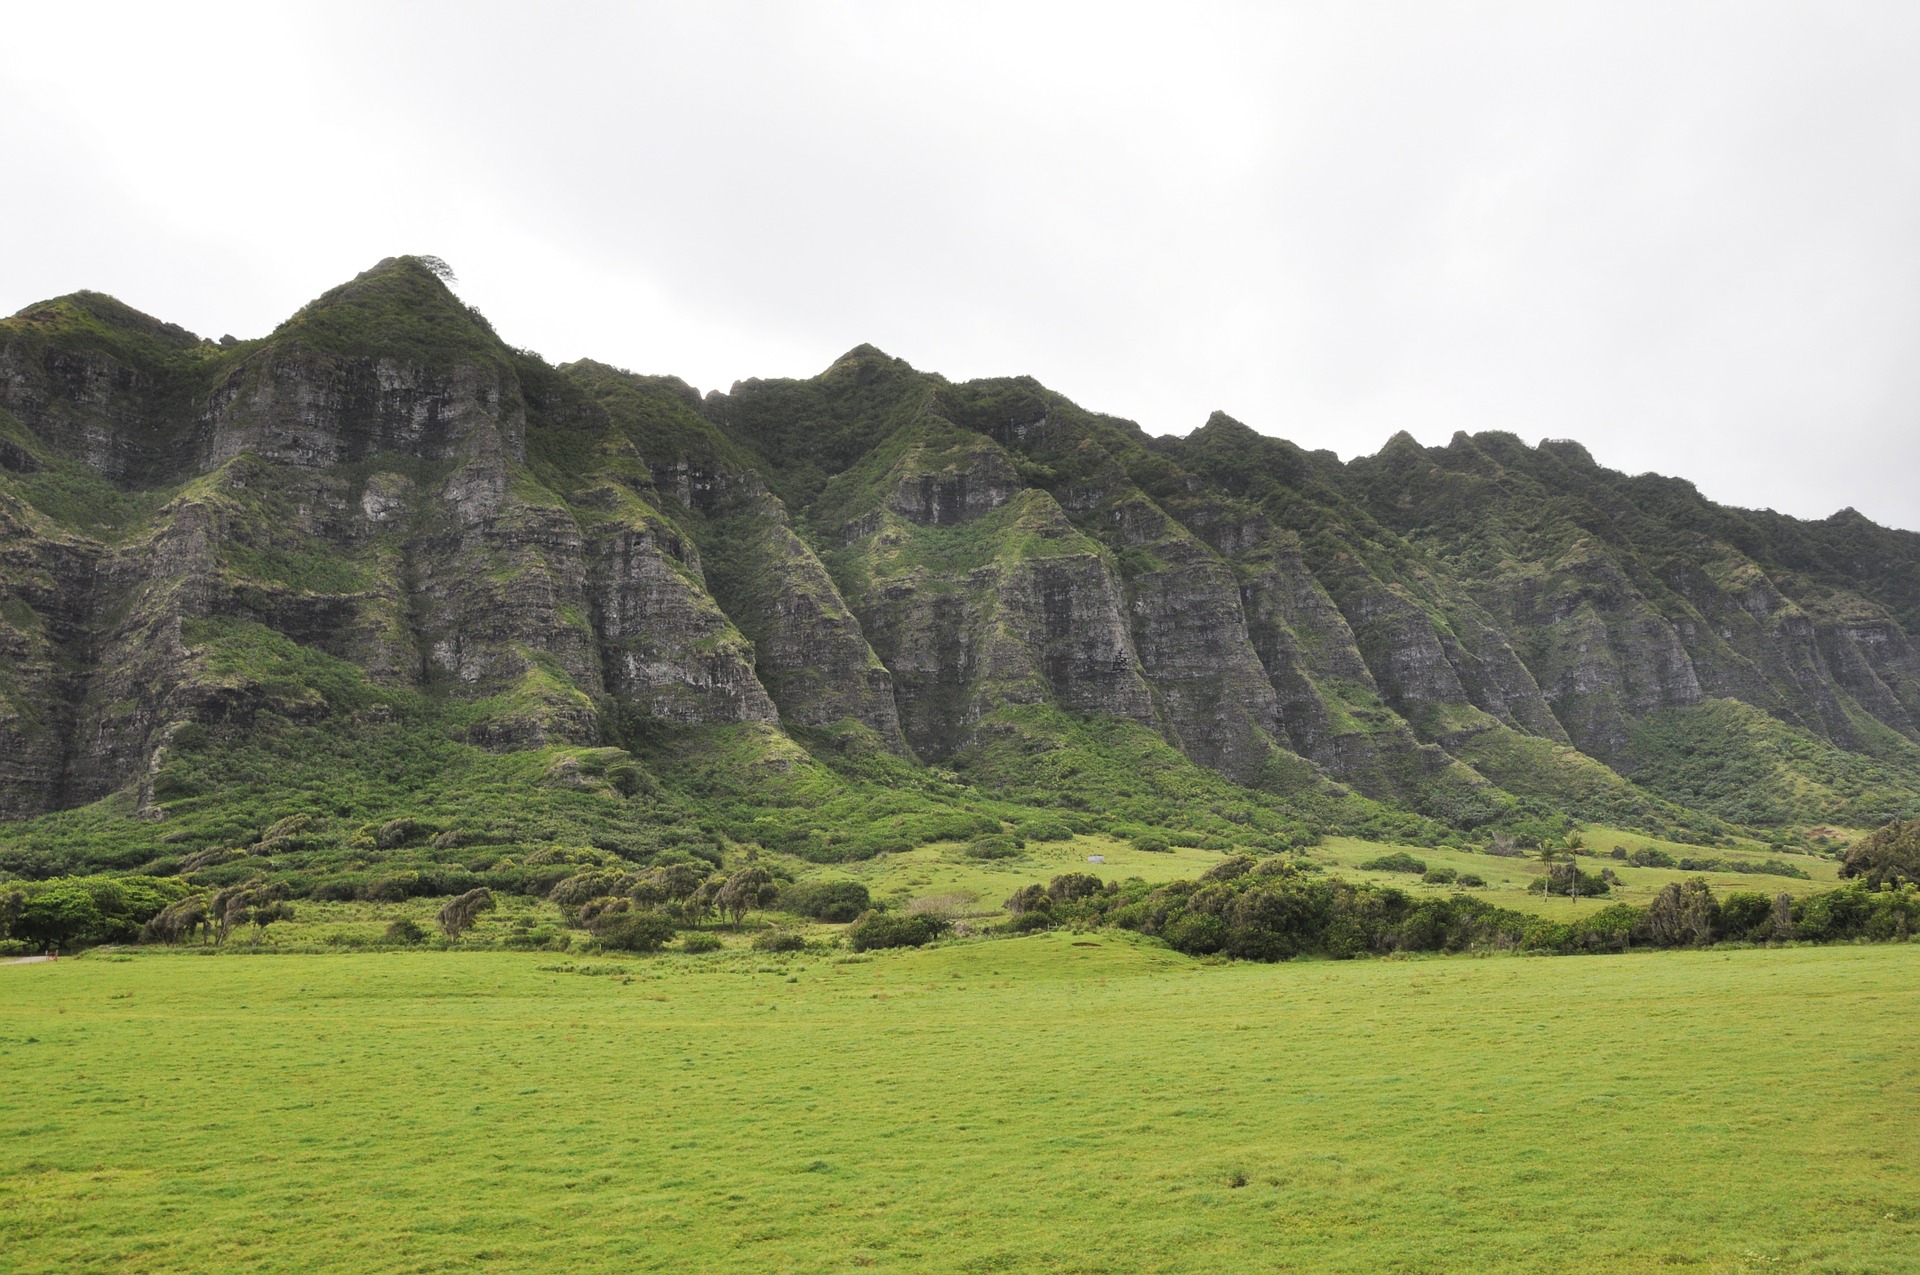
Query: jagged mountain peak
x=866 y=356
x=402 y=310
x=1219 y=423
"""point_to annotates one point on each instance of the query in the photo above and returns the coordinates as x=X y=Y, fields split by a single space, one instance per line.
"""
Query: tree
x=1683 y=914
x=696 y=907
x=59 y=915
x=1548 y=856
x=749 y=888
x=262 y=917
x=179 y=920
x=674 y=881
x=1783 y=917
x=437 y=267
x=458 y=914
x=1889 y=856
x=257 y=903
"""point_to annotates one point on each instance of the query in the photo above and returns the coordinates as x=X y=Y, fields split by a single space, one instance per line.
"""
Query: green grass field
x=1058 y=1102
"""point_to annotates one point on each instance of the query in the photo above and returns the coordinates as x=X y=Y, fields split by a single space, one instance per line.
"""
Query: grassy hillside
x=1058 y=1102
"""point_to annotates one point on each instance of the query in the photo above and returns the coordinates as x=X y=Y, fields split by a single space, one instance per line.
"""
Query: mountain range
x=379 y=584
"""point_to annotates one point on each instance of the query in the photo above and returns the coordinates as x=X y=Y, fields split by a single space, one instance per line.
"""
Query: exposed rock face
x=294 y=406
x=381 y=483
x=666 y=645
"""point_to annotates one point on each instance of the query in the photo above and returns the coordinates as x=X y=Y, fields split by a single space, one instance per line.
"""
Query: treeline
x=621 y=905
x=1274 y=909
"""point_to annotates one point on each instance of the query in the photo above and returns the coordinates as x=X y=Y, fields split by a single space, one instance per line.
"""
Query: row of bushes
x=1269 y=910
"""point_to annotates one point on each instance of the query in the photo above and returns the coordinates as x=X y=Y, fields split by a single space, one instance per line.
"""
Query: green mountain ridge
x=380 y=566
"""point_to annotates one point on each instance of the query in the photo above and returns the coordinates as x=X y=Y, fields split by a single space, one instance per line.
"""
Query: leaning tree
x=461 y=912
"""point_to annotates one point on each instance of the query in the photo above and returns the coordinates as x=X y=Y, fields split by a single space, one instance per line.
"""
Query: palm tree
x=1548 y=854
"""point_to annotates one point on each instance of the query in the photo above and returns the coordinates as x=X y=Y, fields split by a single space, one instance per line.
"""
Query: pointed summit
x=400 y=309
x=1220 y=425
x=866 y=361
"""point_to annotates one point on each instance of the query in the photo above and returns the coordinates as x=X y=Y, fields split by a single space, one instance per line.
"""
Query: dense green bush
x=1565 y=876
x=637 y=930
x=997 y=846
x=1027 y=922
x=894 y=929
x=405 y=931
x=696 y=944
x=1273 y=911
x=834 y=901
x=779 y=941
x=1398 y=861
x=69 y=912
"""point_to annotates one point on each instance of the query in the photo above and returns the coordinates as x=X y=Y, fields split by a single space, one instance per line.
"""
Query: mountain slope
x=870 y=606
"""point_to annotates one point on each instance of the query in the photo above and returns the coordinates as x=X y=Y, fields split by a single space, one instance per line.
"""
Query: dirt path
x=25 y=960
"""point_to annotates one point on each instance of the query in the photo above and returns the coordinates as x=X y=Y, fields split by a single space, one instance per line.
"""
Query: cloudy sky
x=1687 y=234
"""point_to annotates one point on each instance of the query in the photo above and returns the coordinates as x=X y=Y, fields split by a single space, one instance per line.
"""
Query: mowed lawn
x=1059 y=1102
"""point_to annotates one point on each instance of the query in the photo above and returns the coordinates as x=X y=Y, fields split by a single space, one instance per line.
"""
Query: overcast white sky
x=1687 y=234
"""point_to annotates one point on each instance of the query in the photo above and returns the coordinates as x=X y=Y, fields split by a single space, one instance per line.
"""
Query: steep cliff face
x=975 y=591
x=522 y=557
x=808 y=651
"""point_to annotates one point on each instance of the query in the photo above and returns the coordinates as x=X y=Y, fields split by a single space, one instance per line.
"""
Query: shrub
x=1441 y=876
x=392 y=888
x=1746 y=914
x=1029 y=898
x=1650 y=857
x=888 y=929
x=695 y=944
x=779 y=941
x=633 y=931
x=1028 y=922
x=1152 y=845
x=1398 y=861
x=1070 y=886
x=835 y=901
x=1565 y=877
x=595 y=883
x=998 y=846
x=1046 y=830
x=1471 y=881
x=404 y=831
x=540 y=938
x=1227 y=869
x=405 y=931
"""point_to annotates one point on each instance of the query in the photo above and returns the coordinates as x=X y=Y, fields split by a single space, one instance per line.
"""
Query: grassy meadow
x=1060 y=1102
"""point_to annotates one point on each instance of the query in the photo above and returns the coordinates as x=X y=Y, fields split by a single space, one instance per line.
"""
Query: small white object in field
x=1096 y=858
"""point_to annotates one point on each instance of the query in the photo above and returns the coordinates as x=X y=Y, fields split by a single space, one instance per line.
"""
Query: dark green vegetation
x=380 y=607
x=1059 y=1103
x=1273 y=910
